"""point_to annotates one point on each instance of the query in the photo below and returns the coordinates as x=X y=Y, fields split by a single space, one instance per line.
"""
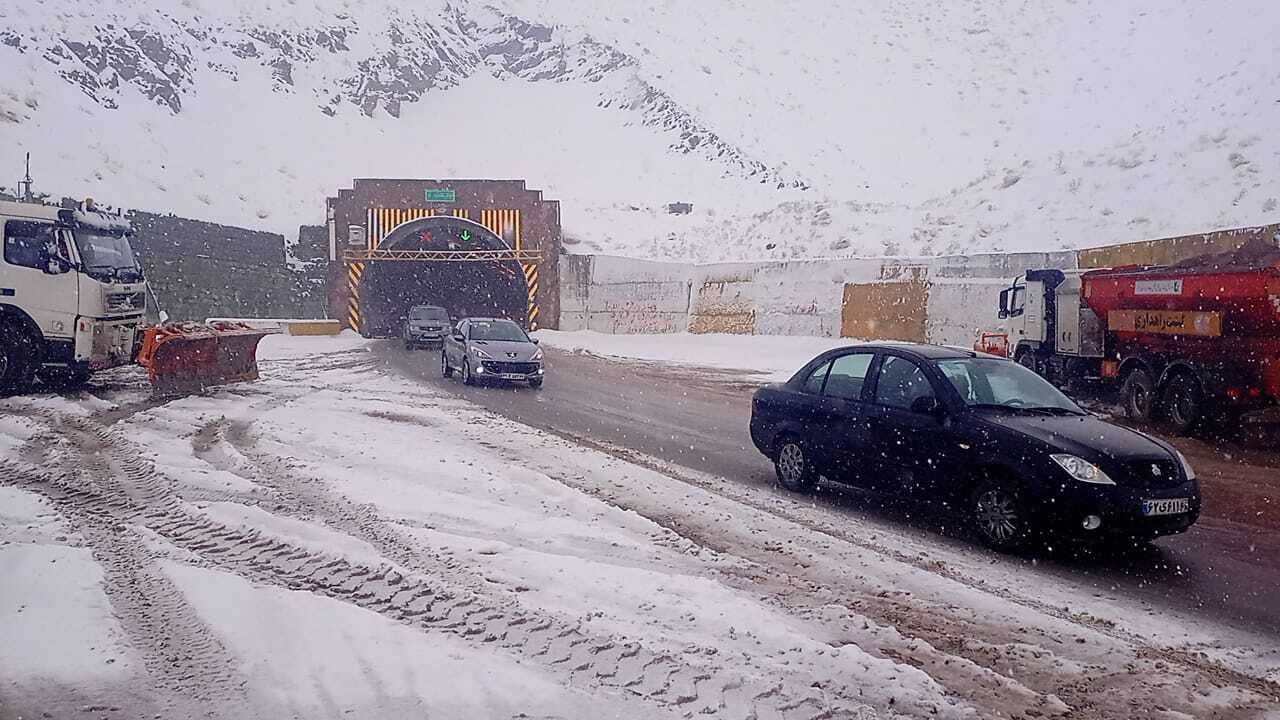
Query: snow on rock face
x=850 y=129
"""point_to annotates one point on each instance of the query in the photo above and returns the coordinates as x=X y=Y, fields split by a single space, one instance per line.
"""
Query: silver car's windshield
x=503 y=330
x=992 y=381
x=422 y=314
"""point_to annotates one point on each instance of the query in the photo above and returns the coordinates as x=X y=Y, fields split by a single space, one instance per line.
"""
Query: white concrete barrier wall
x=801 y=297
x=624 y=295
x=798 y=297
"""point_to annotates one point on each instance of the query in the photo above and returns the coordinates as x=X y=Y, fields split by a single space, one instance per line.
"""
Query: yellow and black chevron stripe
x=381 y=221
x=531 y=279
x=355 y=271
x=503 y=223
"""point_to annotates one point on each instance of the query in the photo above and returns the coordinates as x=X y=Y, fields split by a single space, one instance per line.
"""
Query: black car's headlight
x=1082 y=469
x=1186 y=466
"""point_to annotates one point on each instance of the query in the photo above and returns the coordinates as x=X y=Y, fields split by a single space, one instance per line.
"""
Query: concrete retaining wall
x=944 y=300
x=620 y=295
x=950 y=296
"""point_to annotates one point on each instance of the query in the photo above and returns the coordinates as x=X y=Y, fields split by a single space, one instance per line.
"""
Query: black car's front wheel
x=999 y=516
x=794 y=465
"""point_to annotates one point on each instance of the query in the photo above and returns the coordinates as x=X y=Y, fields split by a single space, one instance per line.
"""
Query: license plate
x=513 y=376
x=1167 y=506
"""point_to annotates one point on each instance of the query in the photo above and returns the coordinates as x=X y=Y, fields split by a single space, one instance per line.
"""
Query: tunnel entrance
x=451 y=262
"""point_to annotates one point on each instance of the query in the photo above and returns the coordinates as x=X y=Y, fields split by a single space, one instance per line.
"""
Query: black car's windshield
x=429 y=313
x=504 y=330
x=992 y=382
x=107 y=255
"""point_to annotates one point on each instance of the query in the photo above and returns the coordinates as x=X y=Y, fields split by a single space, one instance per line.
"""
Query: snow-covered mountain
x=795 y=129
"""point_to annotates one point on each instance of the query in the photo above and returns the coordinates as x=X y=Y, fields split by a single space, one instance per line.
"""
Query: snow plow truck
x=1187 y=343
x=73 y=301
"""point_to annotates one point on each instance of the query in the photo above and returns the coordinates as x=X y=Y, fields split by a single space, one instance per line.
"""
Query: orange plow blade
x=188 y=357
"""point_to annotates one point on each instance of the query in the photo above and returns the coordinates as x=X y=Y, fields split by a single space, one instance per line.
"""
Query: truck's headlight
x=1186 y=466
x=1082 y=469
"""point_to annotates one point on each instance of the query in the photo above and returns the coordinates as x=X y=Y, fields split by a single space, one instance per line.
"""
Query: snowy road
x=697 y=419
x=336 y=542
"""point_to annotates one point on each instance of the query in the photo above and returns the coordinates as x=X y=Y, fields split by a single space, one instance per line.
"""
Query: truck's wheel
x=1027 y=359
x=1183 y=404
x=19 y=358
x=1138 y=395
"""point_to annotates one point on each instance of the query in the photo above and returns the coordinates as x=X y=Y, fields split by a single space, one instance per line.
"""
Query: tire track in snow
x=111 y=485
x=937 y=630
x=99 y=494
x=598 y=661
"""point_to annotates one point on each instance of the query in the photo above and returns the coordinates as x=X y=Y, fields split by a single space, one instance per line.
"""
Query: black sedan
x=981 y=435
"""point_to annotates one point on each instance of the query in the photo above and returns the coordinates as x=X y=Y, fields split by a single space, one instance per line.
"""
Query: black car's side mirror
x=928 y=405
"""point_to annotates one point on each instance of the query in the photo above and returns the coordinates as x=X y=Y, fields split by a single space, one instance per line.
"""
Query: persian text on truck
x=1185 y=343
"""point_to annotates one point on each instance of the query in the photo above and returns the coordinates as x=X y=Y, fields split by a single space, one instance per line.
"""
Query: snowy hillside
x=857 y=128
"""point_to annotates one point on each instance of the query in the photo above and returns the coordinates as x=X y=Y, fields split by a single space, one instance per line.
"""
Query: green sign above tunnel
x=444 y=196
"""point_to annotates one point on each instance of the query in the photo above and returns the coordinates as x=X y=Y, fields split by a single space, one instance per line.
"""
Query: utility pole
x=25 y=193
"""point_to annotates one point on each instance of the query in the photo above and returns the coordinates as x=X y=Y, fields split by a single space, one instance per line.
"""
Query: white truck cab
x=72 y=294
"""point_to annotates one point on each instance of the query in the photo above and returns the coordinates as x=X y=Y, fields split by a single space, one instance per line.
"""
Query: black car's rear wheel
x=444 y=364
x=794 y=465
x=535 y=383
x=999 y=516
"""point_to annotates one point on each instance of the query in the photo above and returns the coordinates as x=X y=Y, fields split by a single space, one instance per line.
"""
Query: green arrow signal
x=466 y=235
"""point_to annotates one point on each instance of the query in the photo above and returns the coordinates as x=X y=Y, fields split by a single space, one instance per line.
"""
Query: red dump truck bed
x=1217 y=311
x=1241 y=303
x=1234 y=294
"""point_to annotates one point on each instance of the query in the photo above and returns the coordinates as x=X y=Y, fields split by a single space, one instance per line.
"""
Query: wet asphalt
x=697 y=419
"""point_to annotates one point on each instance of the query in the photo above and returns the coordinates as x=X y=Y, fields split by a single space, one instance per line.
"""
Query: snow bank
x=56 y=623
x=292 y=347
x=322 y=657
x=777 y=357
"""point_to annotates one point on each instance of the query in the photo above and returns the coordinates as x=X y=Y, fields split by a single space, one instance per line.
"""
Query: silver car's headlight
x=479 y=353
x=1082 y=469
x=537 y=354
x=1186 y=466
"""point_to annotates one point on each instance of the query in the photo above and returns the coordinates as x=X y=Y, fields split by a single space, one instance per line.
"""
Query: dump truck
x=73 y=301
x=1185 y=343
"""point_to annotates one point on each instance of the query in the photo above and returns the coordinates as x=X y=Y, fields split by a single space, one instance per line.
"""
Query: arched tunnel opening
x=464 y=287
